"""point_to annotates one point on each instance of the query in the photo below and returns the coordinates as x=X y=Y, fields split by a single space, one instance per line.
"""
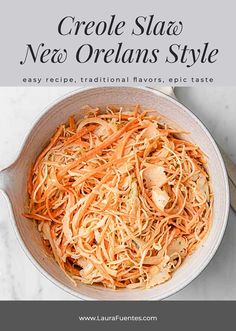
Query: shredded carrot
x=72 y=123
x=98 y=149
x=51 y=144
x=119 y=198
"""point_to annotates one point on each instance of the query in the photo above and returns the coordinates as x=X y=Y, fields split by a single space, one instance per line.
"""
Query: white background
x=19 y=107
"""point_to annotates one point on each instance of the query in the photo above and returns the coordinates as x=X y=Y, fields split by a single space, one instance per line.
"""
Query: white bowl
x=13 y=185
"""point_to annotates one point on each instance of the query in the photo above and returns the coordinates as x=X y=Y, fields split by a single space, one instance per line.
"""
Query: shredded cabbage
x=120 y=198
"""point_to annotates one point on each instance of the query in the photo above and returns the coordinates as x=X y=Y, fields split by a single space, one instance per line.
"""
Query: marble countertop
x=20 y=280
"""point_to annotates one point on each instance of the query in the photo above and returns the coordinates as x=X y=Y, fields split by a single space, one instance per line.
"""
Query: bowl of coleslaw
x=122 y=194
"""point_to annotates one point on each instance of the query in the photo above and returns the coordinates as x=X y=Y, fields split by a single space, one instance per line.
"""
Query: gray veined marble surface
x=19 y=279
